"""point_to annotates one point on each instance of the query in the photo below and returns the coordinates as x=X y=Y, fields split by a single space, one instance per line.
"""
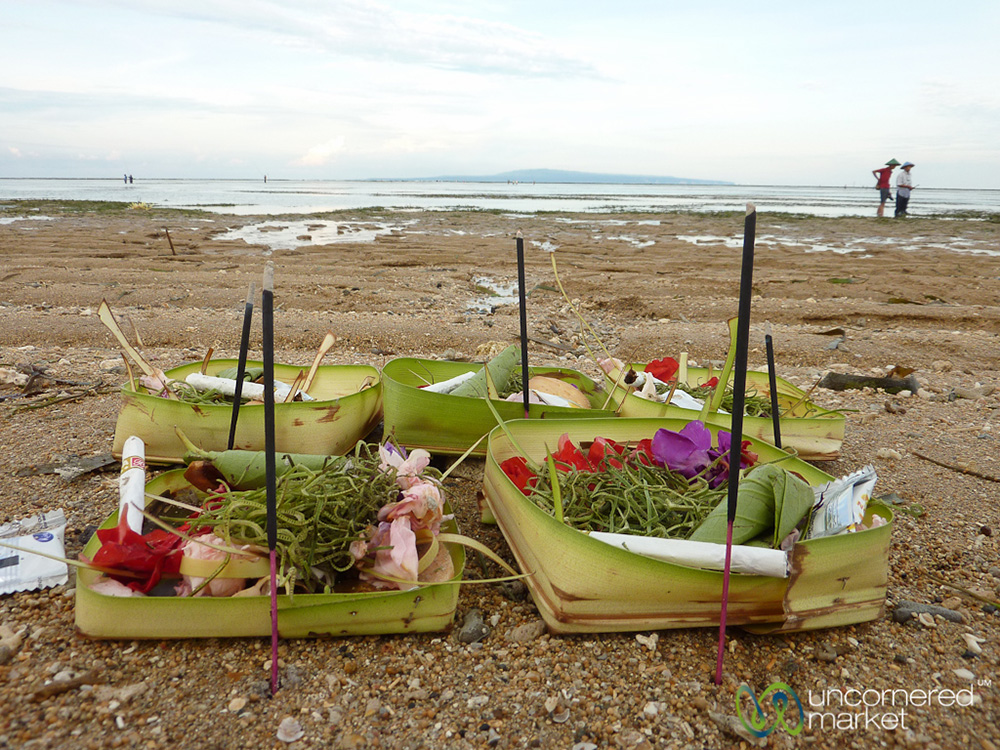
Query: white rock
x=649 y=641
x=12 y=377
x=964 y=674
x=972 y=643
x=289 y=730
x=477 y=701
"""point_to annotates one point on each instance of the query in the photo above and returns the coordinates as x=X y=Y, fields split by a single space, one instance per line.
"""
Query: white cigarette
x=132 y=483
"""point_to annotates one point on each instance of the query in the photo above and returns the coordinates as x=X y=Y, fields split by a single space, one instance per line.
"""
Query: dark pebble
x=905 y=610
x=515 y=591
x=473 y=628
x=899 y=659
x=986 y=531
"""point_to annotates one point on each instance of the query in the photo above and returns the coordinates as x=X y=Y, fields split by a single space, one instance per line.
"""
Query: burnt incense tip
x=518 y=234
x=269 y=276
x=767 y=329
x=250 y=294
x=751 y=208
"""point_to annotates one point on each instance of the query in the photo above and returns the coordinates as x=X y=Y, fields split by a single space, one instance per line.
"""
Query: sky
x=766 y=93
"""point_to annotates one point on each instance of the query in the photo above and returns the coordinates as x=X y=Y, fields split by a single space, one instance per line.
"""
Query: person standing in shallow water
x=904 y=184
x=884 y=175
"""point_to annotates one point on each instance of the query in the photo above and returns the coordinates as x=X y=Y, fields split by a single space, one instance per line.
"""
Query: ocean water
x=277 y=197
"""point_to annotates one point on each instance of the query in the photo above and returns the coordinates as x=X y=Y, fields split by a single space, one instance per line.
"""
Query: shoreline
x=897 y=300
x=246 y=197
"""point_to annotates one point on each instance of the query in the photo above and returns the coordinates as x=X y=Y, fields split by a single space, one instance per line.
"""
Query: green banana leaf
x=770 y=503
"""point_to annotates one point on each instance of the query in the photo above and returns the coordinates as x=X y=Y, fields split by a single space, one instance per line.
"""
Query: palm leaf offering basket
x=582 y=585
x=442 y=423
x=347 y=405
x=425 y=609
x=811 y=432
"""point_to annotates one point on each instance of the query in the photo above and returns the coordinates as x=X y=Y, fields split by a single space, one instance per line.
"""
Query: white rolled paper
x=447 y=386
x=132 y=483
x=252 y=391
x=745 y=559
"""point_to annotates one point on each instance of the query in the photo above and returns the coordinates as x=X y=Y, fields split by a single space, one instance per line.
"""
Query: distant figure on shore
x=884 y=175
x=126 y=178
x=130 y=179
x=904 y=184
x=265 y=178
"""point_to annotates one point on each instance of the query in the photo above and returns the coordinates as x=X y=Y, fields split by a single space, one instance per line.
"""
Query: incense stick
x=267 y=314
x=241 y=368
x=772 y=381
x=524 y=323
x=739 y=394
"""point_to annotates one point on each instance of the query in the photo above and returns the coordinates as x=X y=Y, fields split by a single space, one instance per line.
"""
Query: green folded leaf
x=770 y=502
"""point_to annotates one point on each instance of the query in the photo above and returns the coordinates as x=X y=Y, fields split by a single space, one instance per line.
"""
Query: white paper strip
x=745 y=559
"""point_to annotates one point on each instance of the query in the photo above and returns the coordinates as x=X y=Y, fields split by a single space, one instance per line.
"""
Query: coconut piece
x=560 y=388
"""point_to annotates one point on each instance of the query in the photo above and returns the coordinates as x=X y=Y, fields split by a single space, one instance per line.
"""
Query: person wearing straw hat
x=904 y=184
x=884 y=175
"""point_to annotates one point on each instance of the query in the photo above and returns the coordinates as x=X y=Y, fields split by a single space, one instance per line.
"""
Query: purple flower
x=686 y=452
x=690 y=452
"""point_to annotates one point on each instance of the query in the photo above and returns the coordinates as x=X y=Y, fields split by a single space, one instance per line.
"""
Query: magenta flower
x=690 y=453
x=686 y=452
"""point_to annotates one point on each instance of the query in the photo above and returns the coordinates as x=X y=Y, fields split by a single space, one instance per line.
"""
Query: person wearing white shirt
x=904 y=184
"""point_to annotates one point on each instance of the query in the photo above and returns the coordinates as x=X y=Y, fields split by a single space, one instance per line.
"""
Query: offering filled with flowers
x=621 y=525
x=365 y=544
x=668 y=486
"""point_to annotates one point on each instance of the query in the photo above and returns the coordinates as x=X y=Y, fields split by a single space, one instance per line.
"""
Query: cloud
x=321 y=154
x=15 y=152
x=366 y=30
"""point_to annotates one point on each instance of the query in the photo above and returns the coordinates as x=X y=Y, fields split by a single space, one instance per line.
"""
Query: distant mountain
x=568 y=176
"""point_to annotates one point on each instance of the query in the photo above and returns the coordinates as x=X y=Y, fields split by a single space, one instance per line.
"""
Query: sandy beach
x=854 y=295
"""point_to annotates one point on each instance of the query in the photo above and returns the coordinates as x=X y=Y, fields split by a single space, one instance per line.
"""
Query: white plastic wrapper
x=20 y=570
x=841 y=504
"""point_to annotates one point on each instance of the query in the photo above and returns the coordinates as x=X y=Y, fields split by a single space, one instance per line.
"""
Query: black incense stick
x=241 y=368
x=739 y=395
x=524 y=322
x=772 y=381
x=267 y=314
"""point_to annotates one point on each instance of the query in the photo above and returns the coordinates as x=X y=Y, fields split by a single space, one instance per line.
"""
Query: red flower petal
x=601 y=452
x=517 y=470
x=569 y=456
x=663 y=369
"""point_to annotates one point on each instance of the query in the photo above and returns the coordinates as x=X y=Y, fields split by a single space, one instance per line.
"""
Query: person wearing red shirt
x=884 y=175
